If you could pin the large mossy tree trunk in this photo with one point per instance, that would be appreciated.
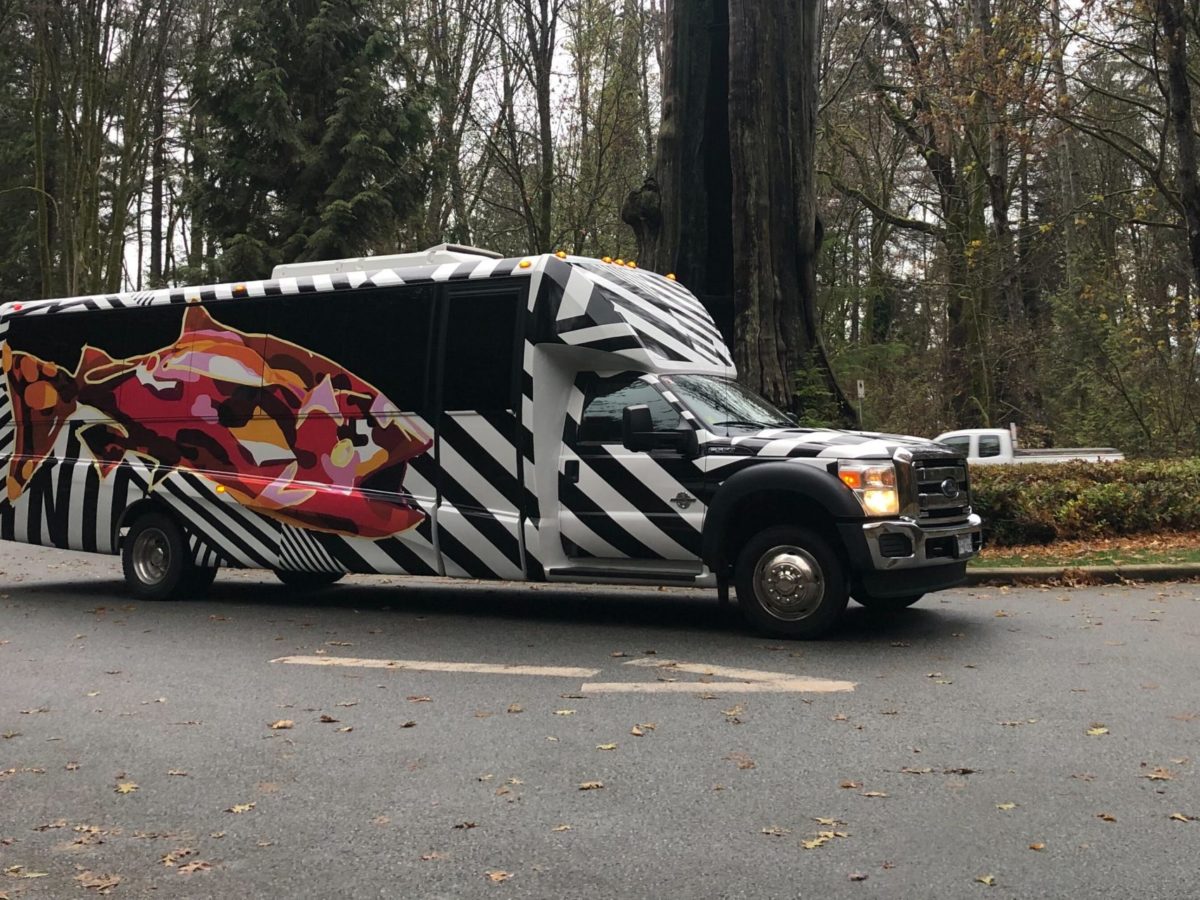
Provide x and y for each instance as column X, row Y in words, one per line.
column 732, row 210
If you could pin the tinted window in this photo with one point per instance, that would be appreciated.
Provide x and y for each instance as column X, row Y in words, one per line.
column 961, row 444
column 480, row 364
column 381, row 336
column 121, row 333
column 989, row 445
column 608, row 398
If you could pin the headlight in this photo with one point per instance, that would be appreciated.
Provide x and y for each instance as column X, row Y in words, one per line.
column 874, row 485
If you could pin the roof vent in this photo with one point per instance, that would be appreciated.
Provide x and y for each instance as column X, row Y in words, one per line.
column 434, row 256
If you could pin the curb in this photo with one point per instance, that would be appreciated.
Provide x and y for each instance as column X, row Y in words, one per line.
column 1081, row 574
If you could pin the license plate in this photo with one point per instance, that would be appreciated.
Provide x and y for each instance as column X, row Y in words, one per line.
column 964, row 545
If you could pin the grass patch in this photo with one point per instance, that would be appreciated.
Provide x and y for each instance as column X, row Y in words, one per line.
column 1172, row 549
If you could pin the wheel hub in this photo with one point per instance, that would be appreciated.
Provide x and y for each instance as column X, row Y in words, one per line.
column 789, row 583
column 151, row 556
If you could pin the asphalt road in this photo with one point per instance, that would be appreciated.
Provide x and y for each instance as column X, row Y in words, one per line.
column 962, row 753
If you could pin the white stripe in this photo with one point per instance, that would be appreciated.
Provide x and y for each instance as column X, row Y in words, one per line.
column 674, row 665
column 444, row 271
column 414, row 665
column 596, row 333
column 780, row 446
column 484, row 269
column 580, row 535
column 460, row 526
column 793, row 686
column 75, row 523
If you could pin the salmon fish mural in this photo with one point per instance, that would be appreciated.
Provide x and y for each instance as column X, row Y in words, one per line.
column 285, row 431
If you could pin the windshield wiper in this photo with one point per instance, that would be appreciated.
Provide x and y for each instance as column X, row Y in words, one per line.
column 741, row 422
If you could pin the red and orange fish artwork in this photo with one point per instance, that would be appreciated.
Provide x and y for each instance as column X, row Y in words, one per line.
column 285, row 431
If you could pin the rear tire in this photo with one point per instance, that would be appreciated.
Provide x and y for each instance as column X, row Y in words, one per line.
column 790, row 583
column 308, row 581
column 885, row 604
column 197, row 581
column 155, row 558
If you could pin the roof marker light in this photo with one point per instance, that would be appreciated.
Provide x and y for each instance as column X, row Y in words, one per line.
column 606, row 259
column 239, row 289
column 671, row 276
column 524, row 264
column 631, row 264
column 561, row 254
column 619, row 262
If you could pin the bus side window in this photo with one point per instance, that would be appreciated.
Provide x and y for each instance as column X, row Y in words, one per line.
column 480, row 364
column 381, row 336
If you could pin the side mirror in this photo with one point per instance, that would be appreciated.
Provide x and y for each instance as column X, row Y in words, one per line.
column 637, row 428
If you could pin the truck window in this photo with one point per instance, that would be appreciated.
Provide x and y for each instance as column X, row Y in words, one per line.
column 121, row 333
column 480, row 365
column 608, row 397
column 961, row 443
column 989, row 445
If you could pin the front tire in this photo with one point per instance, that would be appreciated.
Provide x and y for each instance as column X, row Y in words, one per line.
column 155, row 558
column 308, row 581
column 885, row 604
column 790, row 583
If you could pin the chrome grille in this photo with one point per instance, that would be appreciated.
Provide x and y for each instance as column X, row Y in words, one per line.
column 936, row 499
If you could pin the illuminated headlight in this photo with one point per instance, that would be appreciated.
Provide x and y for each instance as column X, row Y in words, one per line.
column 874, row 484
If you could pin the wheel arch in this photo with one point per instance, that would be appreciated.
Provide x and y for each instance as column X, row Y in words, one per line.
column 138, row 508
column 770, row 494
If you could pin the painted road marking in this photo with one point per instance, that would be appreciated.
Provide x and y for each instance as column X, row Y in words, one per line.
column 748, row 681
column 745, row 681
column 422, row 665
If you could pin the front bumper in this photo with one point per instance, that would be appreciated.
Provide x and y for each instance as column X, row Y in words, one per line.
column 905, row 544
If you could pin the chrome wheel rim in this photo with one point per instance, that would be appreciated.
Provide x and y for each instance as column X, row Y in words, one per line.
column 789, row 583
column 151, row 556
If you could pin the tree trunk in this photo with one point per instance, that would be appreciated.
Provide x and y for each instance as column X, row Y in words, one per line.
column 1171, row 16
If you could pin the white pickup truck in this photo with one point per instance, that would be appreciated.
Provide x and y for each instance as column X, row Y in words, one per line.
column 984, row 446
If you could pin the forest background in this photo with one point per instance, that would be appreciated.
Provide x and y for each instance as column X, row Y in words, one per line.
column 1006, row 189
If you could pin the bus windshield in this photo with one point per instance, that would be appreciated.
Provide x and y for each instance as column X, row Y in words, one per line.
column 722, row 403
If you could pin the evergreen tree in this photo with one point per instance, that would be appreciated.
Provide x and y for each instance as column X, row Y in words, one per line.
column 311, row 131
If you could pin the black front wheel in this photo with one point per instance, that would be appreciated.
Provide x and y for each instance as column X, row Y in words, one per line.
column 155, row 558
column 308, row 581
column 790, row 583
column 885, row 604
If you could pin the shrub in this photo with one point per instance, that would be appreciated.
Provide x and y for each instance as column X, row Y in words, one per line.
column 1037, row 504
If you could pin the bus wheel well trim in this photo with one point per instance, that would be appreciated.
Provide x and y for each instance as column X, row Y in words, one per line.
column 135, row 511
column 769, row 495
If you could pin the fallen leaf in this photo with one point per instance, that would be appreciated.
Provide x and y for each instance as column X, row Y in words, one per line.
column 874, row 794
column 1037, row 846
column 178, row 772
column 735, row 710
column 193, row 867
column 1107, row 817
column 426, row 857
column 636, row 731
column 9, row 735
column 414, row 698
column 344, row 729
column 498, row 875
column 34, row 712
column 72, row 767
column 463, row 826
column 348, row 703
column 174, row 856
column 606, row 746
column 102, row 884
column 126, row 787
column 773, row 831
column 338, row 644
column 915, row 770
column 617, row 654
column 830, row 822
column 564, row 712
column 850, row 785
column 381, row 821
column 1159, row 774
column 328, row 720
column 986, row 879
column 240, row 808
column 958, row 770
column 22, row 872
column 1180, row 817
column 858, row 876
column 590, row 785
column 741, row 760
column 1005, row 807
column 282, row 724
column 57, row 823
column 515, row 708
column 1097, row 729
column 561, row 827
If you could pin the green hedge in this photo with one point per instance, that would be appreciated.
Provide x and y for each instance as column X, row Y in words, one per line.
column 1037, row 504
